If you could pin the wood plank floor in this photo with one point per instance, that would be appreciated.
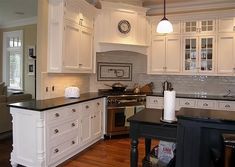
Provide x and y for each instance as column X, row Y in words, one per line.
column 106, row 153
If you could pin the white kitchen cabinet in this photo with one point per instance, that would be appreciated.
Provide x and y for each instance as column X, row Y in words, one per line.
column 91, row 124
column 199, row 54
column 199, row 26
column 48, row 138
column 226, row 24
column 70, row 36
column 154, row 102
column 226, row 105
column 206, row 104
column 226, row 53
column 165, row 55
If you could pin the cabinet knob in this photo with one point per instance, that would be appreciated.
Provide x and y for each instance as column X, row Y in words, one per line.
column 56, row 150
column 91, row 117
column 56, row 131
column 73, row 124
column 80, row 64
column 98, row 103
column 73, row 110
column 73, row 142
column 155, row 101
column 94, row 116
column 87, row 106
column 205, row 104
column 227, row 106
column 57, row 114
column 186, row 103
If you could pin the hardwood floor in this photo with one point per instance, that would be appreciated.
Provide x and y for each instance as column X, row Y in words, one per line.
column 106, row 153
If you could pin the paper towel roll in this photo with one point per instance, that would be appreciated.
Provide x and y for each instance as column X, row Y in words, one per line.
column 169, row 106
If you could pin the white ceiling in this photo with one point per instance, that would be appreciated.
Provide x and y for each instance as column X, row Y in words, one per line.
column 12, row 10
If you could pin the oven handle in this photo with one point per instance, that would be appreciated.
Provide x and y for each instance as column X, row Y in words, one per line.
column 109, row 107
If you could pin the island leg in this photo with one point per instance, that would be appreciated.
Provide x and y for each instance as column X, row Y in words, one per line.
column 147, row 146
column 134, row 153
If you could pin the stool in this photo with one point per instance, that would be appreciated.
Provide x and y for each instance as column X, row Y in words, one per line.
column 229, row 150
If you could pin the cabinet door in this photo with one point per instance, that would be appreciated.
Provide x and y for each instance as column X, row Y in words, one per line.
column 157, row 61
column 206, row 54
column 226, row 53
column 71, row 46
column 227, row 24
column 96, row 124
column 190, row 53
column 86, row 50
column 206, row 26
column 85, row 128
column 173, row 54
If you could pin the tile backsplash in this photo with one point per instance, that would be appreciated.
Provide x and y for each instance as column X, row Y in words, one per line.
column 190, row 84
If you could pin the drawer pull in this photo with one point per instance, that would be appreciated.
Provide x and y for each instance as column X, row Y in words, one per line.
column 56, row 131
column 155, row 101
column 186, row 103
column 91, row 117
column 98, row 103
column 73, row 110
column 56, row 150
column 87, row 106
column 94, row 116
column 205, row 104
column 227, row 106
column 73, row 142
column 57, row 115
column 73, row 124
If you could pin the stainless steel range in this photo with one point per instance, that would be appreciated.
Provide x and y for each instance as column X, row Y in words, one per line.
column 120, row 106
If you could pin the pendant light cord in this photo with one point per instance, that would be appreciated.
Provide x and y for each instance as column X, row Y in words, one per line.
column 164, row 10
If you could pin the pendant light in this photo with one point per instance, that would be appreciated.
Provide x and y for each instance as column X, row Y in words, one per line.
column 164, row 26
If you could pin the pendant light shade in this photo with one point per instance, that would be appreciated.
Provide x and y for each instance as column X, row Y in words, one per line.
column 164, row 26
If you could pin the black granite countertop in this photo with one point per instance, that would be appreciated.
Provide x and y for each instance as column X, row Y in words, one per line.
column 42, row 105
column 195, row 96
column 206, row 115
column 149, row 116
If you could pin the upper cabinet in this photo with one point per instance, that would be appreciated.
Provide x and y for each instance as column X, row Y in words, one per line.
column 70, row 36
column 199, row 54
column 121, row 24
column 226, row 24
column 199, row 26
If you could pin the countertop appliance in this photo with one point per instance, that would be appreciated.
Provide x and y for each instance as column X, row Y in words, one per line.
column 120, row 106
column 72, row 92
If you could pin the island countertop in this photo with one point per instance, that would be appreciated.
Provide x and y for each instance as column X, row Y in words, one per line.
column 207, row 115
column 42, row 105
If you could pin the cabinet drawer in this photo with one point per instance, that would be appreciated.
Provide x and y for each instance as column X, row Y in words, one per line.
column 62, row 128
column 57, row 151
column 187, row 103
column 226, row 105
column 154, row 102
column 206, row 104
column 59, row 114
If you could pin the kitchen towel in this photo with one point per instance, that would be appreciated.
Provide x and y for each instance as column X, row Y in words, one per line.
column 169, row 105
column 129, row 111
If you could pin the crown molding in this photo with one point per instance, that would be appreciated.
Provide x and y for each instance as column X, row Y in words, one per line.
column 184, row 7
column 21, row 22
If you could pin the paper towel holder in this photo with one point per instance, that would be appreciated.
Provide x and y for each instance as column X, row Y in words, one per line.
column 167, row 121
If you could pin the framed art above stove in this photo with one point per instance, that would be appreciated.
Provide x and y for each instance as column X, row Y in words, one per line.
column 107, row 71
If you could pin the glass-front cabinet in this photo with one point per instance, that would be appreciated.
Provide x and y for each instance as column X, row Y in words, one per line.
column 202, row 26
column 199, row 54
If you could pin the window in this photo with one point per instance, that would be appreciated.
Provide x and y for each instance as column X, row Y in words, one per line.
column 13, row 59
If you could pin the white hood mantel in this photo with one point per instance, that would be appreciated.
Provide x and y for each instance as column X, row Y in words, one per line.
column 108, row 37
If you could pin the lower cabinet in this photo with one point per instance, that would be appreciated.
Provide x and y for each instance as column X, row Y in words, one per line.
column 158, row 103
column 50, row 137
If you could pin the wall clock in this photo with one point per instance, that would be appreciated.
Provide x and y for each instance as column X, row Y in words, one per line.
column 124, row 26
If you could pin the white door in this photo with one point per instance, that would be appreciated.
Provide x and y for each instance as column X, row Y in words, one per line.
column 173, row 54
column 71, row 46
column 157, row 60
column 226, row 53
column 86, row 50
column 96, row 124
column 85, row 127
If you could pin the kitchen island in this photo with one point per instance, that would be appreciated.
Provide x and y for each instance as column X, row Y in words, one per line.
column 198, row 134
